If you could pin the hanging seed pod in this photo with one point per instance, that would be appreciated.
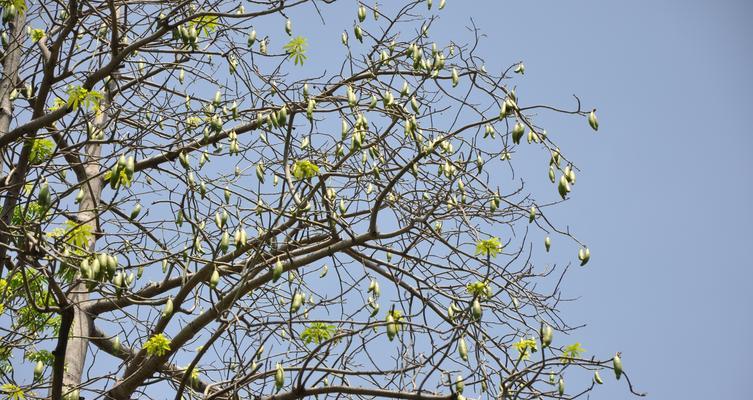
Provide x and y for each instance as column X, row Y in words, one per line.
column 279, row 377
column 563, row 187
column 551, row 174
column 546, row 333
column 463, row 349
column 251, row 38
column 116, row 344
column 391, row 327
column 414, row 104
column 289, row 27
column 310, row 109
column 592, row 120
column 359, row 33
column 277, row 271
column 374, row 288
column 597, row 378
column 429, row 3
column 442, row 4
column 224, row 242
column 584, row 254
column 136, row 210
column 561, row 386
column 79, row 196
column 547, row 243
column 168, row 307
column 517, row 132
column 476, row 309
column 344, row 38
column 571, row 176
column 455, row 77
column 38, row 370
column 617, row 364
column 520, row 69
column 459, row 384
column 44, row 195
column 532, row 214
column 503, row 110
column 325, row 269
column 361, row 13
column 405, row 89
column 297, row 302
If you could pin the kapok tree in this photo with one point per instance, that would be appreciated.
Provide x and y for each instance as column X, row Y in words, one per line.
column 189, row 212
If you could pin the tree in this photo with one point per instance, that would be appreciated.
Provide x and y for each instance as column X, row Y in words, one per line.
column 183, row 217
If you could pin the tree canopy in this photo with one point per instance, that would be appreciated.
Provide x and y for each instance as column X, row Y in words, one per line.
column 188, row 211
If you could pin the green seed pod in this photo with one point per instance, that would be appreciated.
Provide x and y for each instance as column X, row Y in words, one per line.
column 79, row 196
column 617, row 364
column 136, row 210
column 414, row 104
column 359, row 33
column 374, row 288
column 310, row 109
column 532, row 214
column 297, row 302
column 584, row 255
column 251, row 38
column 96, row 269
column 547, row 243
column 279, row 377
column 463, row 349
column 168, row 307
column 214, row 279
column 546, row 334
column 405, row 89
column 476, row 309
column 597, row 378
column 455, row 77
column 116, row 344
column 112, row 262
column 503, row 110
column 289, row 27
column 459, row 384
column 277, row 270
column 592, row 120
column 183, row 158
column 561, row 386
column 520, row 69
column 38, row 370
column 442, row 4
column 563, row 187
column 551, row 174
column 517, row 132
column 344, row 38
column 391, row 327
column 571, row 176
column 44, row 195
column 361, row 13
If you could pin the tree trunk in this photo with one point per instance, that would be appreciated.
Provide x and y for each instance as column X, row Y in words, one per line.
column 8, row 82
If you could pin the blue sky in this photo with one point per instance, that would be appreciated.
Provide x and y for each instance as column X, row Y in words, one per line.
column 664, row 192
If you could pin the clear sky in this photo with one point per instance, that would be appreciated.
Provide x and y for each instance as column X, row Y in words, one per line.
column 665, row 189
column 665, row 185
